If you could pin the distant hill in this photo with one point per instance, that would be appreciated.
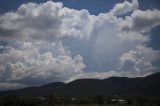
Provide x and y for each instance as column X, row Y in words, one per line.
column 123, row 86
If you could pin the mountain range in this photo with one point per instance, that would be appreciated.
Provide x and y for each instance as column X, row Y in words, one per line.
column 123, row 86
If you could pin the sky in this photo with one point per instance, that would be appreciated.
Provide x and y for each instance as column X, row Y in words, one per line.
column 63, row 40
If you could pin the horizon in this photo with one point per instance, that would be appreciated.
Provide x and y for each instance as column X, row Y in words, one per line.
column 77, row 80
column 45, row 41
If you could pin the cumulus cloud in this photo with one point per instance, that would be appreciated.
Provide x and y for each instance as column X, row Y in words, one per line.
column 135, row 60
column 46, row 21
column 142, row 21
column 48, row 42
column 26, row 63
column 125, row 7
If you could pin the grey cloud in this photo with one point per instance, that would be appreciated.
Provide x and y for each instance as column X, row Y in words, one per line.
column 142, row 21
column 11, row 86
column 7, row 32
column 145, row 20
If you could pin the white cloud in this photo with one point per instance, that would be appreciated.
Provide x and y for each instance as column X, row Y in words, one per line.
column 47, row 21
column 104, row 75
column 148, row 52
column 99, row 75
column 48, row 42
column 142, row 21
column 136, row 63
column 124, row 8
column 25, row 62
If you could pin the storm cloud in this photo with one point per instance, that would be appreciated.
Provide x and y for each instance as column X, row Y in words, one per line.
column 48, row 42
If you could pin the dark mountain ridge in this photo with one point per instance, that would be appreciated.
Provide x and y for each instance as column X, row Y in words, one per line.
column 140, row 86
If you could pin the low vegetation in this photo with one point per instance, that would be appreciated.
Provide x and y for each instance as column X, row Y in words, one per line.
column 50, row 100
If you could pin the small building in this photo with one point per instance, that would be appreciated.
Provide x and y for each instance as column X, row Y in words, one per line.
column 41, row 98
column 121, row 101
